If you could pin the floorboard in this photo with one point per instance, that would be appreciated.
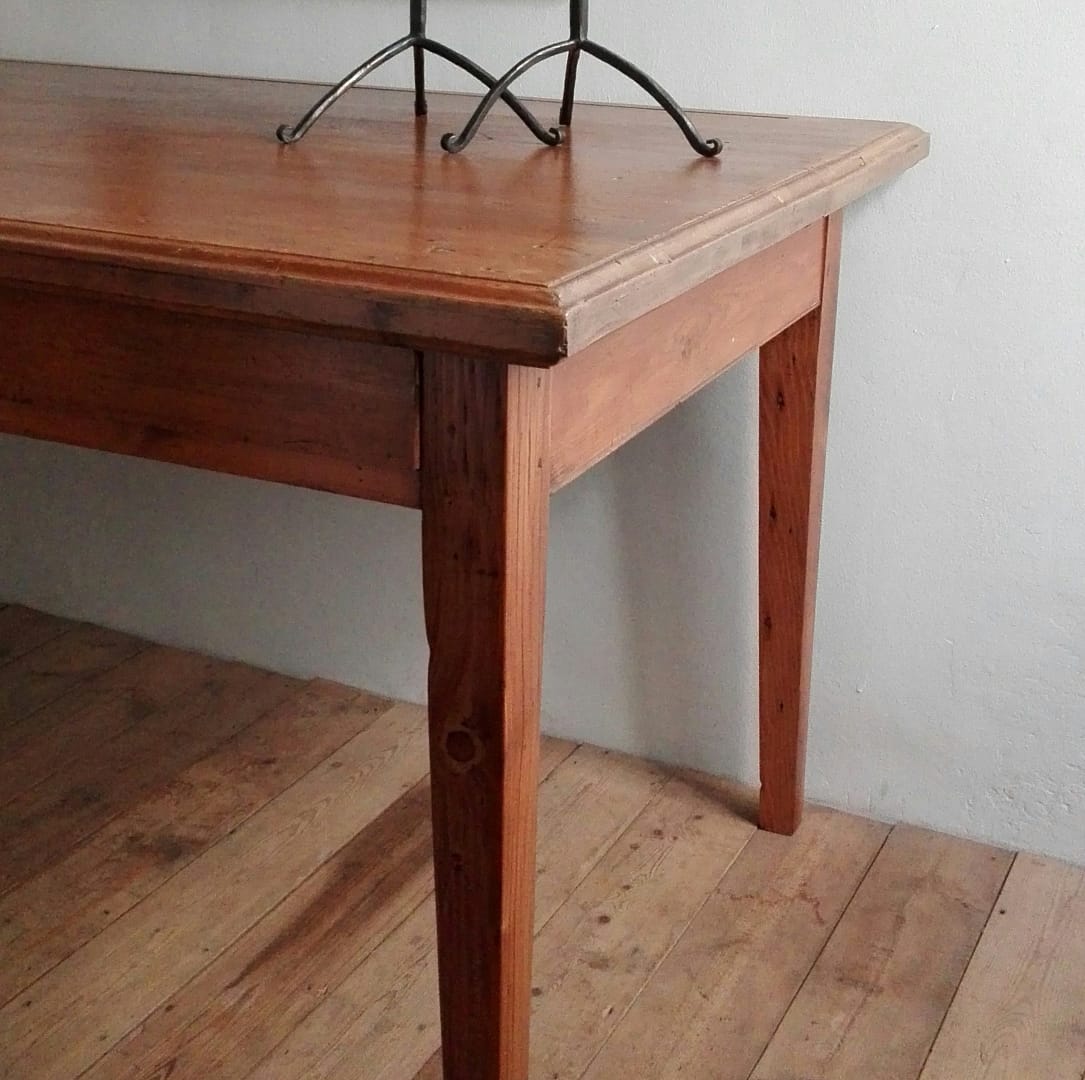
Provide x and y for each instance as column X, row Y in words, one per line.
column 84, row 722
column 714, row 1004
column 608, row 938
column 215, row 873
column 76, row 1012
column 383, row 1019
column 47, row 918
column 38, row 824
column 238, row 1008
column 23, row 630
column 47, row 672
column 877, row 995
column 1020, row 1009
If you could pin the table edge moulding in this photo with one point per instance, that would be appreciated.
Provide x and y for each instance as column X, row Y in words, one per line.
column 536, row 322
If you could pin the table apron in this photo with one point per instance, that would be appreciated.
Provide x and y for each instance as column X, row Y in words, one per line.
column 615, row 388
column 300, row 408
column 324, row 411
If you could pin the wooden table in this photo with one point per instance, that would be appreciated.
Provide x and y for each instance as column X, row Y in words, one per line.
column 367, row 315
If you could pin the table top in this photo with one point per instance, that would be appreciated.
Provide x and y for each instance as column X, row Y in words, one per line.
column 509, row 248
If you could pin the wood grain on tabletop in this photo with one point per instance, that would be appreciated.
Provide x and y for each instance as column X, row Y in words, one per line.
column 795, row 375
column 509, row 248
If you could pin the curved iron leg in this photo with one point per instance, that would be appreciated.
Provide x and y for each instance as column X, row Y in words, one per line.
column 578, row 32
column 418, row 31
column 421, row 106
column 568, row 97
column 543, row 134
column 421, row 46
column 707, row 148
column 454, row 143
column 288, row 134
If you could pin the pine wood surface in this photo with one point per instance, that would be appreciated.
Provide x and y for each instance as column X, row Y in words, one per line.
column 305, row 409
column 615, row 388
column 1020, row 1009
column 264, row 908
column 83, row 722
column 485, row 508
column 52, row 914
column 23, row 629
column 42, row 675
column 795, row 370
column 889, row 972
column 365, row 314
column 78, row 800
column 172, row 189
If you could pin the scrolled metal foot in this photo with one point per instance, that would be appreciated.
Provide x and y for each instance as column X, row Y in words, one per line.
column 549, row 136
column 705, row 147
column 498, row 88
column 288, row 134
column 454, row 143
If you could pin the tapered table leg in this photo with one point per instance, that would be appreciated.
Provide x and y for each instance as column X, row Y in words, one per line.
column 485, row 500
column 795, row 375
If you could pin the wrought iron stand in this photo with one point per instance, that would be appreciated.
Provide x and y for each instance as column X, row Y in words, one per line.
column 578, row 42
column 420, row 43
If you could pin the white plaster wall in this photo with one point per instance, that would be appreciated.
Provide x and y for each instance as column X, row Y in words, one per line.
column 948, row 685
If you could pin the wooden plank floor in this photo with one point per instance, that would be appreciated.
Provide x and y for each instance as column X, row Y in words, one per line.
column 208, row 871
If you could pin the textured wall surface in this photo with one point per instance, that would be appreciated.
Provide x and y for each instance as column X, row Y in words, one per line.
column 949, row 683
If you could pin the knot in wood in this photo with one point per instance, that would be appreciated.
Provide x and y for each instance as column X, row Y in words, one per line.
column 463, row 748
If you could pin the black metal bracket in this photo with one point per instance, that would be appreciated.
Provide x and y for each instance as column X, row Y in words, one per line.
column 577, row 43
column 572, row 47
column 418, row 41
